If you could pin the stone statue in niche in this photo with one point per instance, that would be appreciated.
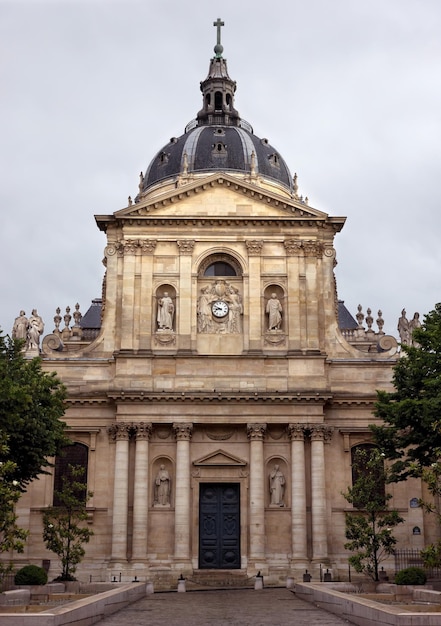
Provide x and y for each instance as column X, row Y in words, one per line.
column 162, row 487
column 20, row 328
column 166, row 311
column 274, row 310
column 220, row 309
column 34, row 331
column 277, row 487
column 403, row 327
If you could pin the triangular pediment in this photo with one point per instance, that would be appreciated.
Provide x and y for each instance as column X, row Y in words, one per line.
column 248, row 199
column 218, row 458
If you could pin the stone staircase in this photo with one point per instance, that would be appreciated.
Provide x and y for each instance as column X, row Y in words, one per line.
column 219, row 579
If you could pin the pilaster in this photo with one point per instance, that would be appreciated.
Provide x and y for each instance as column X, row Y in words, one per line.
column 254, row 248
column 185, row 293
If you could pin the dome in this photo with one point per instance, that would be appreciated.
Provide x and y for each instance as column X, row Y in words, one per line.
column 217, row 140
column 215, row 148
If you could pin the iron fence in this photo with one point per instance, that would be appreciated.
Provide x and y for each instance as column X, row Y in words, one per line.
column 410, row 557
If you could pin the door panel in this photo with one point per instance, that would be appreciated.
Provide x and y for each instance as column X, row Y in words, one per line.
column 219, row 526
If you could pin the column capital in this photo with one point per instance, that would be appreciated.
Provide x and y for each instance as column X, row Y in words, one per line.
column 320, row 432
column 120, row 431
column 296, row 432
column 147, row 246
column 185, row 246
column 293, row 247
column 256, row 432
column 142, row 430
column 184, row 431
column 312, row 248
column 254, row 247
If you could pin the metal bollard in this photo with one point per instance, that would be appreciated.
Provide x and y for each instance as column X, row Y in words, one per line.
column 181, row 584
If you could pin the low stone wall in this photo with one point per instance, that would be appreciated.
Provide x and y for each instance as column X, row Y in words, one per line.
column 362, row 611
column 15, row 597
column 80, row 612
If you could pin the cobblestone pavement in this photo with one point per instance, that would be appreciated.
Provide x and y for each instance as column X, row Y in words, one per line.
column 245, row 607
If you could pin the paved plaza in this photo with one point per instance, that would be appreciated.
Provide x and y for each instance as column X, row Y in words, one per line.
column 268, row 607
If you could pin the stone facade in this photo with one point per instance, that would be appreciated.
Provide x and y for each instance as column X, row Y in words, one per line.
column 188, row 376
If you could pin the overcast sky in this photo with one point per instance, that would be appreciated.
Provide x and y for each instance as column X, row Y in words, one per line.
column 348, row 91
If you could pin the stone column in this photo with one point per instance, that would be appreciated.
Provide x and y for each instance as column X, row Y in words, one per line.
column 143, row 432
column 319, row 434
column 120, row 433
column 183, row 434
column 256, row 435
column 298, row 491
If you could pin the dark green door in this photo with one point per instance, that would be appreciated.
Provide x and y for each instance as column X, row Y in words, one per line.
column 219, row 526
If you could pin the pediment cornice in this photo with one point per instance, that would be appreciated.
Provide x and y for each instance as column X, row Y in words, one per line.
column 220, row 458
column 291, row 209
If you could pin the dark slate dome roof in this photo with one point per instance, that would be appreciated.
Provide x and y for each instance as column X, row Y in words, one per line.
column 217, row 140
column 213, row 148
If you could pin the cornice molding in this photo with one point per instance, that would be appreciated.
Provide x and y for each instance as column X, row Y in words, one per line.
column 220, row 397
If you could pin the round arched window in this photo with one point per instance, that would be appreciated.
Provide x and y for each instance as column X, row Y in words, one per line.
column 220, row 268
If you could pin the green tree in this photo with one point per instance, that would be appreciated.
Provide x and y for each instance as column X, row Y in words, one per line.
column 31, row 407
column 411, row 433
column 12, row 537
column 369, row 530
column 63, row 531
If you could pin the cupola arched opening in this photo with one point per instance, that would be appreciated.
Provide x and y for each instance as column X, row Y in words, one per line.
column 218, row 101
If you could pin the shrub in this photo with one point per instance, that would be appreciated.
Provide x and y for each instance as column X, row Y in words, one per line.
column 410, row 576
column 30, row 575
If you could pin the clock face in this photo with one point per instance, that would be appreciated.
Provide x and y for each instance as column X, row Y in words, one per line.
column 219, row 308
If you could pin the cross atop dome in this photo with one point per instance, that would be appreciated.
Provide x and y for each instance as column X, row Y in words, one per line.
column 218, row 48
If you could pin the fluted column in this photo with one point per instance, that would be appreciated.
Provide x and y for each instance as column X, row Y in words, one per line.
column 143, row 432
column 183, row 434
column 319, row 434
column 256, row 435
column 298, row 493
column 121, row 434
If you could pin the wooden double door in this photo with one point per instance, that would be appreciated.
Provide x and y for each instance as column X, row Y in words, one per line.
column 219, row 526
